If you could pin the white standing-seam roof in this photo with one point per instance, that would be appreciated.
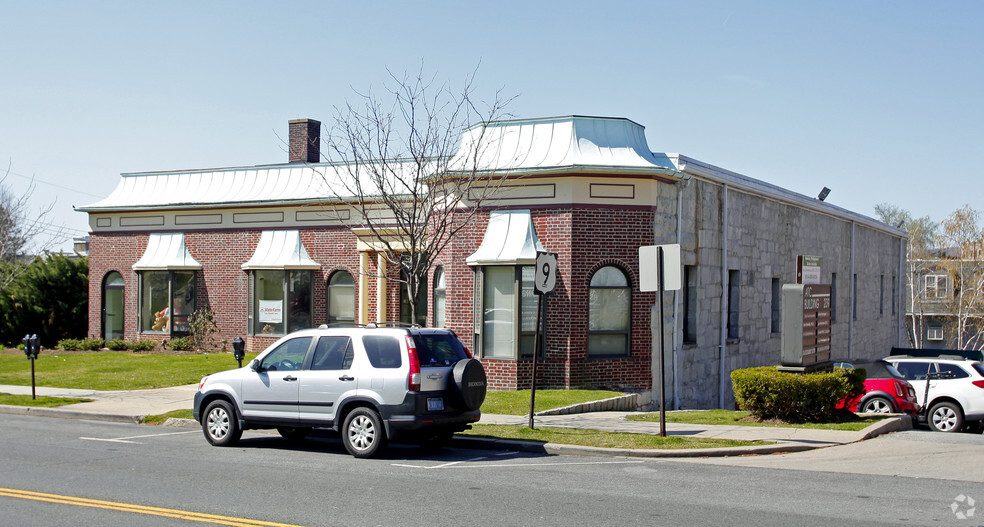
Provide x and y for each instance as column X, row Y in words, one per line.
column 280, row 250
column 557, row 144
column 166, row 252
column 510, row 238
column 571, row 143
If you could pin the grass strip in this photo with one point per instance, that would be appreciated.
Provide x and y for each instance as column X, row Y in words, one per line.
column 518, row 402
column 161, row 418
column 111, row 370
column 597, row 438
column 41, row 402
column 730, row 417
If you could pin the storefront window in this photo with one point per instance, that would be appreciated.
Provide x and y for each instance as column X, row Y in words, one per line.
column 508, row 291
column 167, row 300
column 609, row 312
column 282, row 301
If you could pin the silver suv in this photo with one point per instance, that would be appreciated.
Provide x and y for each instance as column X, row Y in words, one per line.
column 371, row 384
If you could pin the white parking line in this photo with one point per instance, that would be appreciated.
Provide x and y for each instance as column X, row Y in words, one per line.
column 458, row 464
column 127, row 439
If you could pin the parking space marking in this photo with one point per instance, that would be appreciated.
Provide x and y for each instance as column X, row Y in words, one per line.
column 471, row 463
column 128, row 438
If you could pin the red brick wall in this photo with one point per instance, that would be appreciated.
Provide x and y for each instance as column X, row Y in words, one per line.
column 584, row 239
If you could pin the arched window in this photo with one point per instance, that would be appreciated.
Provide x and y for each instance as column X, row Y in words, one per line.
column 439, row 306
column 341, row 297
column 112, row 308
column 609, row 312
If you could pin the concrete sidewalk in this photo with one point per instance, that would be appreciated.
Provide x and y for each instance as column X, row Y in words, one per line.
column 133, row 406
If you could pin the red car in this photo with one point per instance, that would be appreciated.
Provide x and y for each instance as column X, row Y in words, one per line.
column 885, row 390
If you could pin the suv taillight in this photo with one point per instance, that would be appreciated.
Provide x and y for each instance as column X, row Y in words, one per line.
column 413, row 384
column 979, row 384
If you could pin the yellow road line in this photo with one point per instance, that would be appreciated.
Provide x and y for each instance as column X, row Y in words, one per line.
column 139, row 509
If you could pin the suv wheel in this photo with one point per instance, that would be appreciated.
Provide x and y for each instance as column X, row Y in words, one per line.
column 877, row 405
column 945, row 417
column 363, row 433
column 220, row 424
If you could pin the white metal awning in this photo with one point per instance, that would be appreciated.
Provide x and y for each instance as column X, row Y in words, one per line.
column 510, row 238
column 166, row 251
column 280, row 250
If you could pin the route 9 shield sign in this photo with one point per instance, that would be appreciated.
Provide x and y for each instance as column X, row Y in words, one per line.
column 545, row 277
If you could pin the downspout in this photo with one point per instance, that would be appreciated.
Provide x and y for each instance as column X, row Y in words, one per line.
column 724, row 296
column 900, row 313
column 854, row 301
column 677, row 298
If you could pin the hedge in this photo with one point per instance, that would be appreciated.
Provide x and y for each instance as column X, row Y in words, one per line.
column 771, row 394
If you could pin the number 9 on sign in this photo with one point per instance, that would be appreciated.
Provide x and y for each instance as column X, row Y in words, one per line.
column 546, row 273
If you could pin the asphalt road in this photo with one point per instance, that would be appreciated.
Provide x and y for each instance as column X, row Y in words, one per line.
column 139, row 475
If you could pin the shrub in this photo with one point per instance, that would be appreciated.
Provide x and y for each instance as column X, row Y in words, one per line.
column 181, row 344
column 203, row 328
column 70, row 344
column 771, row 394
column 91, row 344
column 141, row 345
column 117, row 345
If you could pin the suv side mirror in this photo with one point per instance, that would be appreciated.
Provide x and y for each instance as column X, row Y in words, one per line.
column 255, row 365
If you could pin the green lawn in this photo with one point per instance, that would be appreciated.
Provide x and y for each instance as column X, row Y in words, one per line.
column 113, row 370
column 518, row 402
column 729, row 417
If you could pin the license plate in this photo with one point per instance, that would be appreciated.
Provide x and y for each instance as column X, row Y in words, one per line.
column 435, row 404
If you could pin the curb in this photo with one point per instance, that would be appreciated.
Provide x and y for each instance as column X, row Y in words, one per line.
column 894, row 424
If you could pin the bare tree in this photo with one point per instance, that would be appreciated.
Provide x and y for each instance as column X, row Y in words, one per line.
column 921, row 254
column 962, row 238
column 396, row 164
column 21, row 229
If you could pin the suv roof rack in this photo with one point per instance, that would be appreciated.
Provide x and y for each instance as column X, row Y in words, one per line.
column 342, row 325
column 393, row 324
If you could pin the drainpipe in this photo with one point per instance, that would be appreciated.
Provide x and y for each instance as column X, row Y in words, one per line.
column 724, row 297
column 900, row 312
column 854, row 301
column 677, row 299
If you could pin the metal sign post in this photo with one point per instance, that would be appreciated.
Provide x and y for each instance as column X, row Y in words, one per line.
column 544, row 281
column 659, row 270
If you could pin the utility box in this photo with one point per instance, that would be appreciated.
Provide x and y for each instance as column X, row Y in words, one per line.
column 805, row 325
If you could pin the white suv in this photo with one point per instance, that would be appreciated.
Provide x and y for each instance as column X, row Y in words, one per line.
column 369, row 383
column 956, row 389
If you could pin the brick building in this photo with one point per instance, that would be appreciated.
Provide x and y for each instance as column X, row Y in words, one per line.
column 262, row 247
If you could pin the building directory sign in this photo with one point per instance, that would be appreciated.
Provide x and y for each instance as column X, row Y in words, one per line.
column 805, row 324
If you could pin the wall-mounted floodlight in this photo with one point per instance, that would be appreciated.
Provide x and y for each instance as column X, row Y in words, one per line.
column 823, row 194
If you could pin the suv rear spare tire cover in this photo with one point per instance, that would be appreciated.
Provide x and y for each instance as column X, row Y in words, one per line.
column 469, row 382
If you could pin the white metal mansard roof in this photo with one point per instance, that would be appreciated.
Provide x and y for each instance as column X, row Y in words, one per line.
column 558, row 144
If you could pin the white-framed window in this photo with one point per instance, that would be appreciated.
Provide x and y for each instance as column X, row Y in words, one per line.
column 440, row 295
column 341, row 297
column 609, row 312
column 167, row 300
column 936, row 286
column 508, row 311
column 934, row 332
column 280, row 301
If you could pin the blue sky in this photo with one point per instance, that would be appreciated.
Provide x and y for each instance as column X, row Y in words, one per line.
column 880, row 101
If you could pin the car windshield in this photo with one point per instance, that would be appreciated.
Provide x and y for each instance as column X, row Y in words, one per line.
column 438, row 349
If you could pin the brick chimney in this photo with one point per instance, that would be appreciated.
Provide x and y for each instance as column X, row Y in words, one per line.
column 305, row 141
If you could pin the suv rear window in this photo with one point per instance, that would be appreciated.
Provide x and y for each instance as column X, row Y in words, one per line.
column 438, row 349
column 383, row 351
column 914, row 371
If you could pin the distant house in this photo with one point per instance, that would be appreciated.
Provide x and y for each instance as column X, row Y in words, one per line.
column 267, row 251
column 945, row 303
